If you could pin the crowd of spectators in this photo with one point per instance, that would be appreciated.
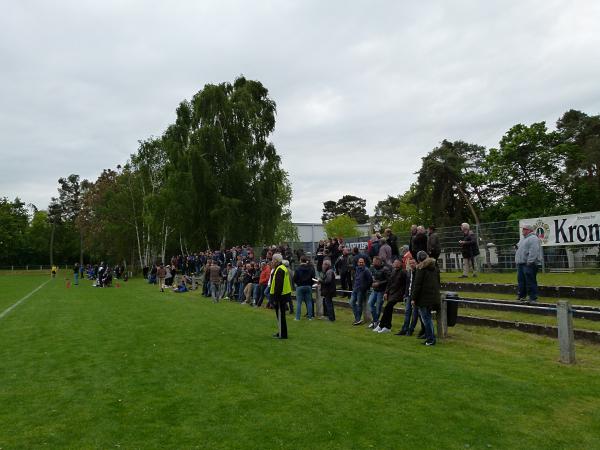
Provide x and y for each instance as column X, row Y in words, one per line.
column 380, row 271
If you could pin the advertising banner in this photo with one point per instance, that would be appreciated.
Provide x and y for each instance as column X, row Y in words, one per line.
column 573, row 229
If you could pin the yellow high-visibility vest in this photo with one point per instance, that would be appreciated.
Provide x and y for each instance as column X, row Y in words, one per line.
column 287, row 287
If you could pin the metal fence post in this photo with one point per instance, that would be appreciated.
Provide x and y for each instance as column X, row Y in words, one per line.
column 442, row 318
column 566, row 338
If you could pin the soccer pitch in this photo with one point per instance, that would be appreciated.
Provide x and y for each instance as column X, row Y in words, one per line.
column 131, row 367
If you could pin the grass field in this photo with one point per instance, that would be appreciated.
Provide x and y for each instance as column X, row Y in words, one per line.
column 134, row 368
column 544, row 279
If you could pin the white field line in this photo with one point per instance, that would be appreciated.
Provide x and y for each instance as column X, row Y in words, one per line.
column 10, row 308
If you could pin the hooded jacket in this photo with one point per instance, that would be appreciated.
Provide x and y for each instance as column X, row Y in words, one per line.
column 426, row 285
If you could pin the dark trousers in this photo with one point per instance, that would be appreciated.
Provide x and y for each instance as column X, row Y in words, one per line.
column 527, row 280
column 386, row 317
column 280, row 309
column 329, row 311
column 346, row 282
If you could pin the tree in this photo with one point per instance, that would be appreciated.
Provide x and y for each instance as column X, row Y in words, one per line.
column 386, row 212
column 38, row 238
column 286, row 231
column 349, row 205
column 578, row 142
column 228, row 176
column 13, row 228
column 69, row 198
column 451, row 180
column 525, row 173
column 341, row 226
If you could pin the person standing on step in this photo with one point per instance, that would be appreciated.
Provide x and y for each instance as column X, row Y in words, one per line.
column 527, row 257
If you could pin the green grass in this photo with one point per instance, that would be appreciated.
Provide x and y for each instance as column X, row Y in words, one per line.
column 544, row 279
column 134, row 368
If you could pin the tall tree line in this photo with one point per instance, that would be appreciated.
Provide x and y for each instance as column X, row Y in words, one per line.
column 532, row 172
column 213, row 178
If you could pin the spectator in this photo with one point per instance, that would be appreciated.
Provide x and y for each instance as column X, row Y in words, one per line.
column 392, row 240
column 411, row 315
column 385, row 252
column 394, row 292
column 470, row 250
column 280, row 292
column 327, row 282
column 419, row 241
column 303, row 279
column 406, row 257
column 161, row 273
column 380, row 274
column 413, row 233
column 426, row 293
column 76, row 274
column 433, row 244
column 263, row 282
column 362, row 283
column 214, row 277
column 342, row 266
column 527, row 257
column 247, row 281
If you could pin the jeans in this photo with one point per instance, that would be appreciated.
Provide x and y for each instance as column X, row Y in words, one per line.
column 527, row 280
column 240, row 291
column 375, row 304
column 329, row 311
column 356, row 301
column 214, row 291
column 268, row 295
column 304, row 293
column 76, row 277
column 259, row 293
column 410, row 316
column 425, row 313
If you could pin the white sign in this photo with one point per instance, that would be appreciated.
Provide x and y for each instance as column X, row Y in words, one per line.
column 574, row 229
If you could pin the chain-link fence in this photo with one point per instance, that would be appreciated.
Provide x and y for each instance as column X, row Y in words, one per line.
column 497, row 245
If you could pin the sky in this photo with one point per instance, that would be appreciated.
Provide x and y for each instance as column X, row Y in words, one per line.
column 363, row 89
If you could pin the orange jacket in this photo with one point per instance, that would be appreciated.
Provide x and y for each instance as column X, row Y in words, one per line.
column 264, row 275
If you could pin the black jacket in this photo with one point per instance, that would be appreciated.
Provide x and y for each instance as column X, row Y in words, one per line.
column 426, row 285
column 396, row 285
column 328, row 284
column 303, row 275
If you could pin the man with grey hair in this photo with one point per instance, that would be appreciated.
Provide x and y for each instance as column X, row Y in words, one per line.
column 527, row 257
column 281, row 293
column 470, row 250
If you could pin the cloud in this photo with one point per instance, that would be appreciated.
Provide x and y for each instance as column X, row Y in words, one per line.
column 364, row 90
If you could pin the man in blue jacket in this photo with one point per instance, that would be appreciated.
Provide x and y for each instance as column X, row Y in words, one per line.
column 362, row 283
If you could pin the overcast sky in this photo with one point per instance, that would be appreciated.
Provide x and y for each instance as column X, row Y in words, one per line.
column 363, row 89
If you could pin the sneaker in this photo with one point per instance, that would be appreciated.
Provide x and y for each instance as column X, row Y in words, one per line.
column 358, row 322
column 521, row 299
column 371, row 325
column 429, row 343
column 297, row 320
column 385, row 330
column 400, row 333
column 421, row 336
column 377, row 329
